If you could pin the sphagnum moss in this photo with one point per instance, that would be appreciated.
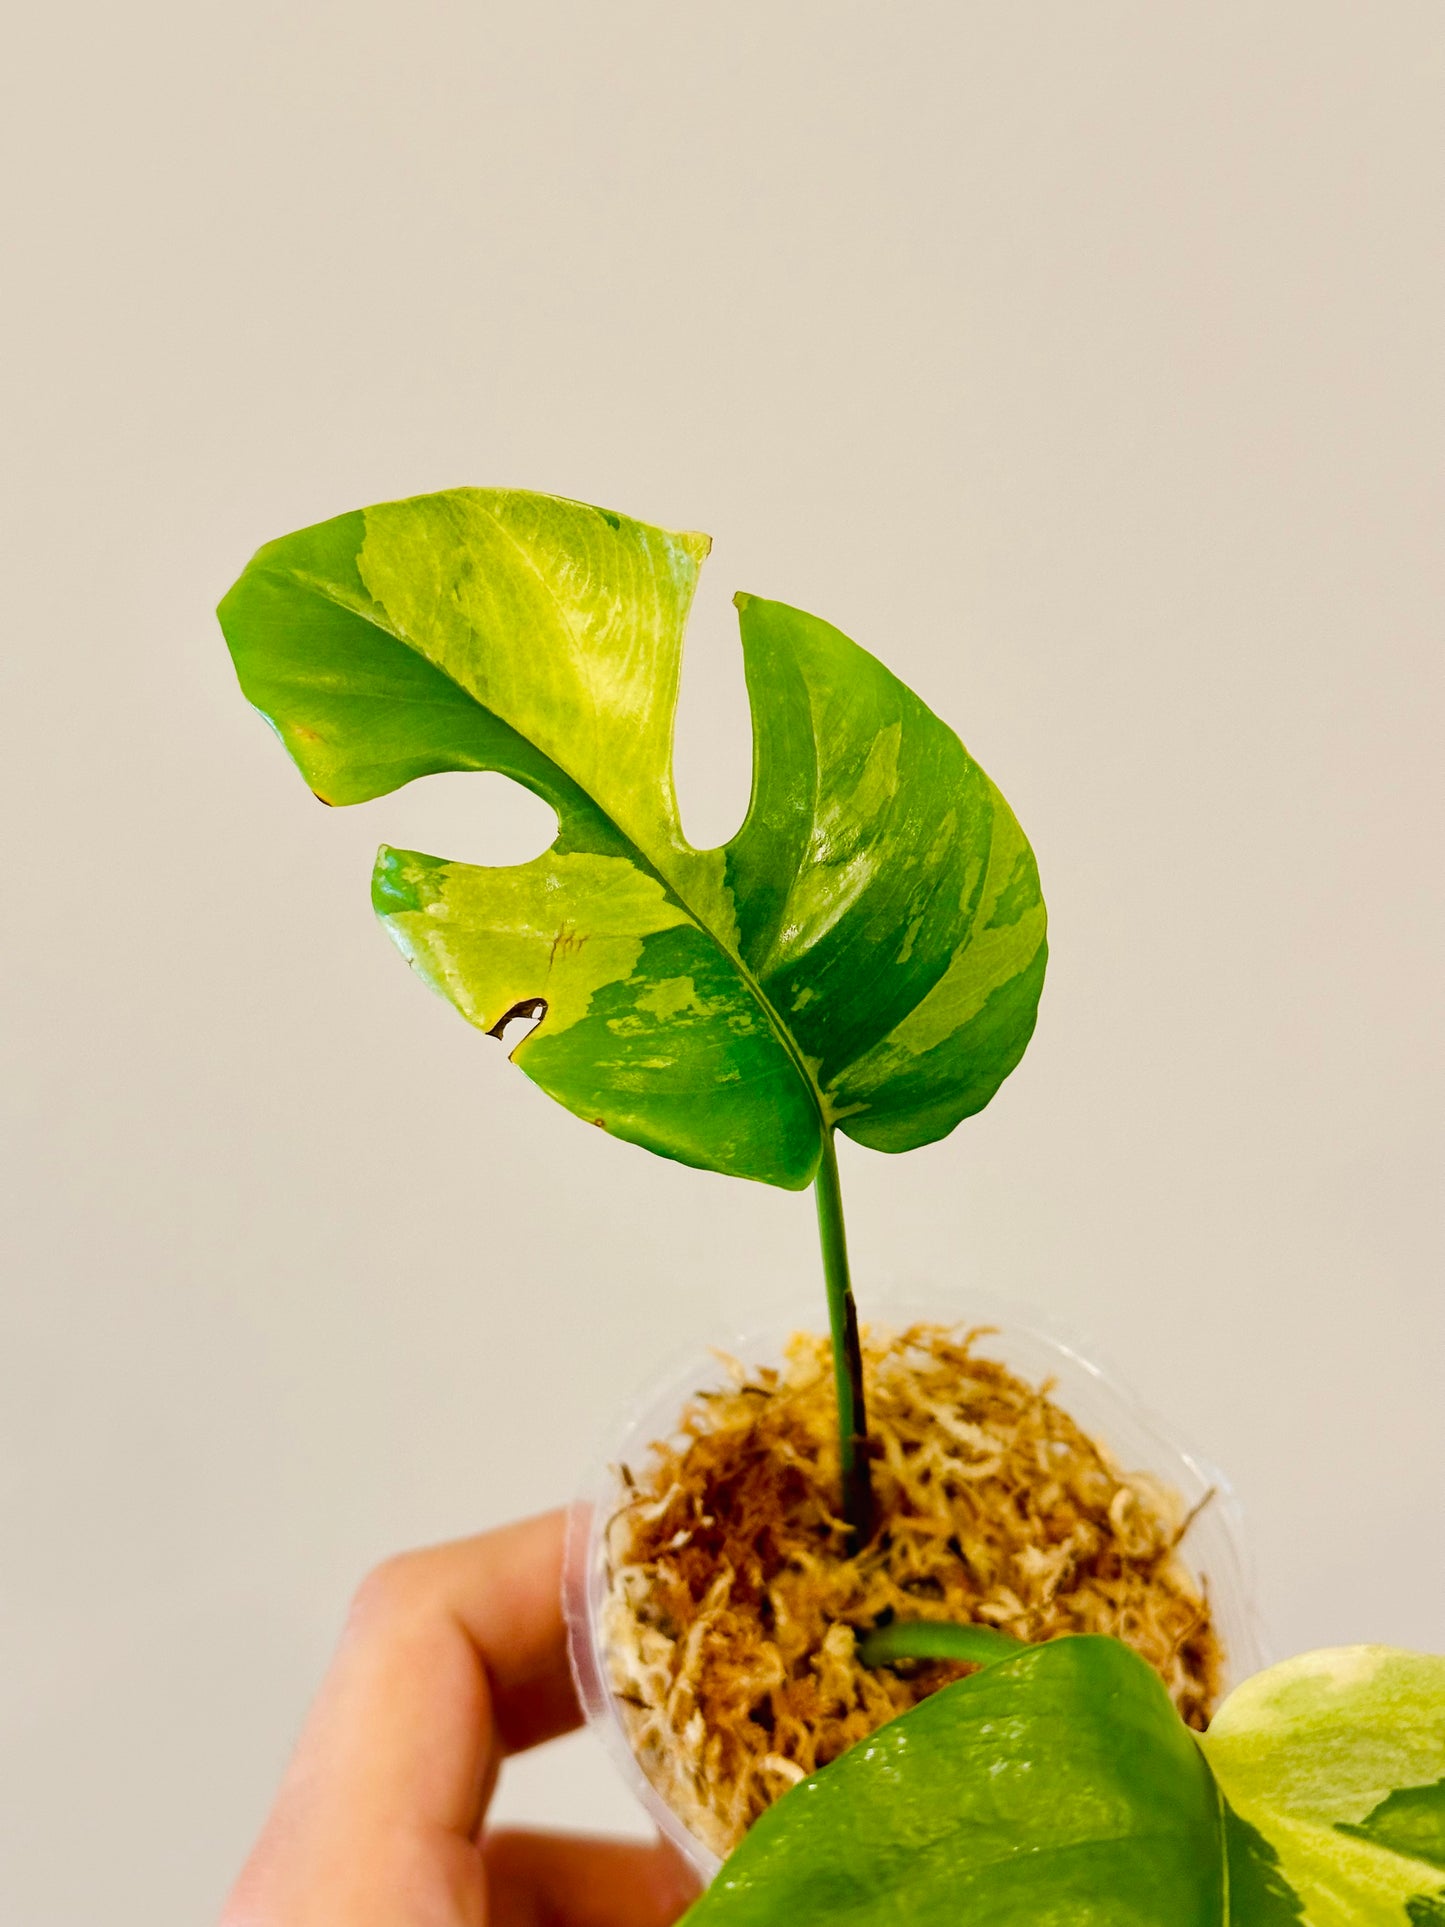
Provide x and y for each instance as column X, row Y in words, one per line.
column 734, row 1606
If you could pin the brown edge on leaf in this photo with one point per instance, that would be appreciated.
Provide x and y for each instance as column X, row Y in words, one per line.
column 528, row 1007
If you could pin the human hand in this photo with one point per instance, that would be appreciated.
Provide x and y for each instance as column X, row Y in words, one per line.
column 452, row 1658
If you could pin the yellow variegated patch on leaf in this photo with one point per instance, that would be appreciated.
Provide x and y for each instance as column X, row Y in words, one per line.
column 1337, row 1759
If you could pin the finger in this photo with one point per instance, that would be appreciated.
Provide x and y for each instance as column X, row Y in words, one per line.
column 566, row 1880
column 504, row 1589
column 451, row 1657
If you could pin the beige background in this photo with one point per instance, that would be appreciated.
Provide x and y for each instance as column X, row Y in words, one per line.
column 1084, row 361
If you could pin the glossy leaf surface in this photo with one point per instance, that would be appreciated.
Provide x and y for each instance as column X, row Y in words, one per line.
column 1058, row 1789
column 867, row 951
column 1061, row 1787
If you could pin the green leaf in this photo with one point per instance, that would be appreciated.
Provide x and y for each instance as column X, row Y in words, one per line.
column 1338, row 1760
column 1057, row 1787
column 1060, row 1786
column 868, row 951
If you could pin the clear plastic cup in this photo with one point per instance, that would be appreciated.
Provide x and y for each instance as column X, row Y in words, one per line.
column 1036, row 1349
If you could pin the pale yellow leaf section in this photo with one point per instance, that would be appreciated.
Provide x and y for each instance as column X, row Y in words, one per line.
column 1322, row 1740
column 571, row 631
column 559, row 928
column 567, row 627
column 1341, row 1881
column 671, row 996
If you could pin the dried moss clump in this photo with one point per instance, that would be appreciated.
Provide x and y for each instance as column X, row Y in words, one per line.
column 732, row 1605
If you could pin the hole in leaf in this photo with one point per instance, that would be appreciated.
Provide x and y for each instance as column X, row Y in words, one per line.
column 465, row 816
column 520, row 1021
column 713, row 742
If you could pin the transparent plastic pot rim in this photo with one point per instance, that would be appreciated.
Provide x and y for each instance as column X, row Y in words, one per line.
column 1034, row 1346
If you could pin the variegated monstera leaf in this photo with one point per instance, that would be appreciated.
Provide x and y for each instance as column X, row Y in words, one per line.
column 867, row 951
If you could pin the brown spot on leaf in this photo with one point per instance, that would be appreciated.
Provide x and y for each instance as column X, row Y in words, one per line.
column 566, row 939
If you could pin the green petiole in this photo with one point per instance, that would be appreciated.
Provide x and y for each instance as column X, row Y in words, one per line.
column 937, row 1639
column 847, row 1351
